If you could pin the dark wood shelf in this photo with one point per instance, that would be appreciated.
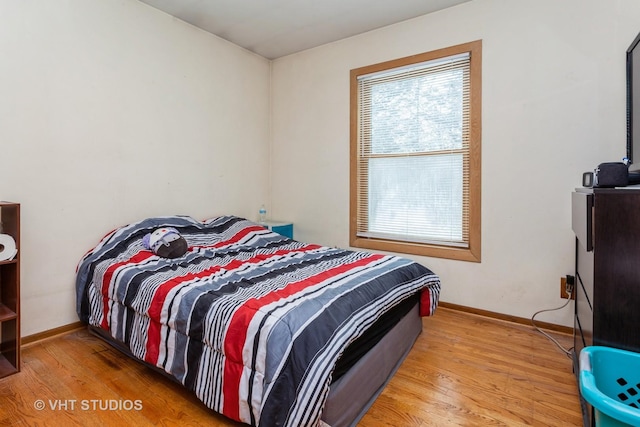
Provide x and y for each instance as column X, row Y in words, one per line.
column 6, row 313
column 6, row 368
column 10, row 294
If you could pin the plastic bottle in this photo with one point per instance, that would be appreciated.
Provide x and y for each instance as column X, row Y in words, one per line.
column 262, row 215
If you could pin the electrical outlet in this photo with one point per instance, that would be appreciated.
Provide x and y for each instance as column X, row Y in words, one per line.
column 563, row 289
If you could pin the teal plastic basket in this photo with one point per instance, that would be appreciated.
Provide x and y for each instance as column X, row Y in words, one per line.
column 610, row 382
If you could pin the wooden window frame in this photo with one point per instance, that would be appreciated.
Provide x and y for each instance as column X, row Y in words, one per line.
column 473, row 251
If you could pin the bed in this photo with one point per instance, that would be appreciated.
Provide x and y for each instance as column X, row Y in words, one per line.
column 263, row 329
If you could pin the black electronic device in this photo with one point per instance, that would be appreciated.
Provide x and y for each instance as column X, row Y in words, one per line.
column 611, row 174
column 633, row 105
column 634, row 178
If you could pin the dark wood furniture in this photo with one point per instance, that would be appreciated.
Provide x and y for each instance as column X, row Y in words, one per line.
column 606, row 223
column 10, row 294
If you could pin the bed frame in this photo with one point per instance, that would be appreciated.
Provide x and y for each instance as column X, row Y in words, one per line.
column 351, row 396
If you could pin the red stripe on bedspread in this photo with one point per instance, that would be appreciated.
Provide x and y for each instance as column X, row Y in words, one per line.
column 425, row 303
column 237, row 332
column 158, row 302
column 235, row 238
column 106, row 280
column 154, row 334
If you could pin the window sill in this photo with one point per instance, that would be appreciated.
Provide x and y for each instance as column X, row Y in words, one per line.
column 434, row 251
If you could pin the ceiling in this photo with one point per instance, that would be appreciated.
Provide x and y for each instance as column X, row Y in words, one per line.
column 275, row 28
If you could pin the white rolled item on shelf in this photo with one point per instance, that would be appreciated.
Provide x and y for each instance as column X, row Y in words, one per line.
column 7, row 247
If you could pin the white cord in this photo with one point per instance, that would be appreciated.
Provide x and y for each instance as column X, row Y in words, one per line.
column 566, row 352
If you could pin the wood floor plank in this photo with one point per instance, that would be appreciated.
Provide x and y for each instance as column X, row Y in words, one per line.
column 464, row 370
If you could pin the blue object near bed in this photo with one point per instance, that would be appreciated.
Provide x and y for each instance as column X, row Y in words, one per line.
column 610, row 382
column 282, row 228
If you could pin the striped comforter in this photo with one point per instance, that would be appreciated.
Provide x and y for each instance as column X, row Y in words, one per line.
column 252, row 322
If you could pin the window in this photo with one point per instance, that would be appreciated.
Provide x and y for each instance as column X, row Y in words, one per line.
column 415, row 154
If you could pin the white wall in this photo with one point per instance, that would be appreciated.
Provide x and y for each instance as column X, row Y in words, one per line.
column 553, row 107
column 110, row 112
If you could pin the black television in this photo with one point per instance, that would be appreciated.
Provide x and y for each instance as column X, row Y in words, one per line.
column 633, row 108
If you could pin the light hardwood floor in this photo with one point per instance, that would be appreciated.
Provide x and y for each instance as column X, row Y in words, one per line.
column 464, row 370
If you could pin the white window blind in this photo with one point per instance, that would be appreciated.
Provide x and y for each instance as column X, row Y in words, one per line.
column 413, row 153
